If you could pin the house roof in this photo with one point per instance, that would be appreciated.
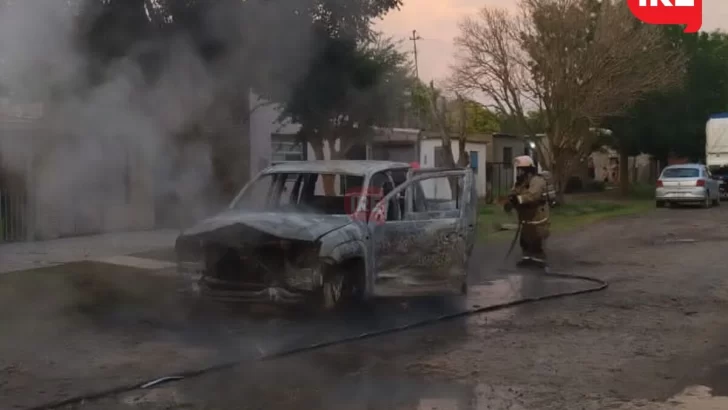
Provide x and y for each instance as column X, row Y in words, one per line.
column 472, row 138
column 335, row 166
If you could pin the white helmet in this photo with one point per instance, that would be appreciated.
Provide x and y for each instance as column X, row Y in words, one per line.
column 524, row 161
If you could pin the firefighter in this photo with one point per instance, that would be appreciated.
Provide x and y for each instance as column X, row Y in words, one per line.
column 530, row 199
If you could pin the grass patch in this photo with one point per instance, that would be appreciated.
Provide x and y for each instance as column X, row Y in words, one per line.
column 574, row 214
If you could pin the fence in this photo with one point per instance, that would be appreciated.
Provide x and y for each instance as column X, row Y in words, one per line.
column 499, row 180
column 14, row 218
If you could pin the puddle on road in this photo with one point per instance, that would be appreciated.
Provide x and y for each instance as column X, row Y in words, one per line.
column 315, row 391
column 389, row 393
column 692, row 398
column 113, row 312
column 699, row 398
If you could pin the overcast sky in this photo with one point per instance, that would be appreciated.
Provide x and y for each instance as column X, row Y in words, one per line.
column 436, row 22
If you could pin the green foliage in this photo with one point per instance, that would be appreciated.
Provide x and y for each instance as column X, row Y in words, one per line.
column 576, row 213
column 479, row 119
column 250, row 31
column 350, row 87
column 674, row 121
column 535, row 123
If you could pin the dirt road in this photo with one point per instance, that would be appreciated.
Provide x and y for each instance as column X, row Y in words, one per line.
column 660, row 328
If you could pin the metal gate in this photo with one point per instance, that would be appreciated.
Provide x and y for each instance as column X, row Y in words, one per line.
column 499, row 180
column 13, row 216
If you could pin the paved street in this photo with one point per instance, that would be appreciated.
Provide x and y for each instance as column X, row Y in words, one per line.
column 658, row 330
column 30, row 255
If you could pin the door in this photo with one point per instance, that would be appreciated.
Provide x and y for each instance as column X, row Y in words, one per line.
column 421, row 246
column 713, row 184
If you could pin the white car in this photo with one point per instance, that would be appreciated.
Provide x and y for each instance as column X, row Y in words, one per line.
column 687, row 184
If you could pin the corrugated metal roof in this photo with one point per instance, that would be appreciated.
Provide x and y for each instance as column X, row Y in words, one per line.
column 473, row 138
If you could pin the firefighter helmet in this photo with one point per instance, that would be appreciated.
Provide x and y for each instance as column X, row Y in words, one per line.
column 524, row 161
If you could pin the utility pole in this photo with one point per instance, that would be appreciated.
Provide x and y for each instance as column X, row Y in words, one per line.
column 414, row 39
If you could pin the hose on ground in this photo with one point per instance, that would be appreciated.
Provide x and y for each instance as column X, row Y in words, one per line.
column 599, row 286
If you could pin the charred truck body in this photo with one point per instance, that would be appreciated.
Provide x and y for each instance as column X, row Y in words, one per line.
column 335, row 232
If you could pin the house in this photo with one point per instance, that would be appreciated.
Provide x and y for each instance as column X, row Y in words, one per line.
column 603, row 165
column 41, row 201
column 643, row 168
column 273, row 140
column 475, row 146
column 491, row 159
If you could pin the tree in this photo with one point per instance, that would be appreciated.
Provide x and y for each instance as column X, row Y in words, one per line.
column 572, row 62
column 673, row 122
column 277, row 49
column 350, row 88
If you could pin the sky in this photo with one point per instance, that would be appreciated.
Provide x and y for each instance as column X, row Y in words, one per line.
column 436, row 22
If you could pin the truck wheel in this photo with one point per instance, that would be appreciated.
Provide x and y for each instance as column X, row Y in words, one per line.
column 339, row 290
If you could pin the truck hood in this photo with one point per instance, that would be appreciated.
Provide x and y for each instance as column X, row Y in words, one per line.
column 293, row 226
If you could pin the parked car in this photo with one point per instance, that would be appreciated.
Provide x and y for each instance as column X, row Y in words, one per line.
column 334, row 232
column 687, row 183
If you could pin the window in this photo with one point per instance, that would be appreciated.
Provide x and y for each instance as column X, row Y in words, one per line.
column 439, row 163
column 380, row 185
column 507, row 157
column 286, row 148
column 474, row 161
column 681, row 173
column 399, row 176
column 298, row 193
column 437, row 194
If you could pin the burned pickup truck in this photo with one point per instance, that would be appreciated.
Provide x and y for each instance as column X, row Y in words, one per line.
column 336, row 232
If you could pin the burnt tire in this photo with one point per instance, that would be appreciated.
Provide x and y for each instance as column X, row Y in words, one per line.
column 341, row 290
column 331, row 296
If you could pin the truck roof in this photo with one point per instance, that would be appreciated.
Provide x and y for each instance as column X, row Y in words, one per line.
column 357, row 167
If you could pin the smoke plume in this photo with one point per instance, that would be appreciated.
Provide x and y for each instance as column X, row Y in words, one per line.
column 106, row 151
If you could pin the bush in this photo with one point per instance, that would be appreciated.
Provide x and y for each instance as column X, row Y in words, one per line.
column 573, row 185
column 642, row 191
column 577, row 185
column 595, row 186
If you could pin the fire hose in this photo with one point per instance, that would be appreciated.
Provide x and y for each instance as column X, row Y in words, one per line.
column 599, row 285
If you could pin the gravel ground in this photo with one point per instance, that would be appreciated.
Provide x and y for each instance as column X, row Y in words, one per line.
column 660, row 328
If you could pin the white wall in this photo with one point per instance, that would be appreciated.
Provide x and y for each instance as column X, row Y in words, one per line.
column 93, row 206
column 427, row 160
